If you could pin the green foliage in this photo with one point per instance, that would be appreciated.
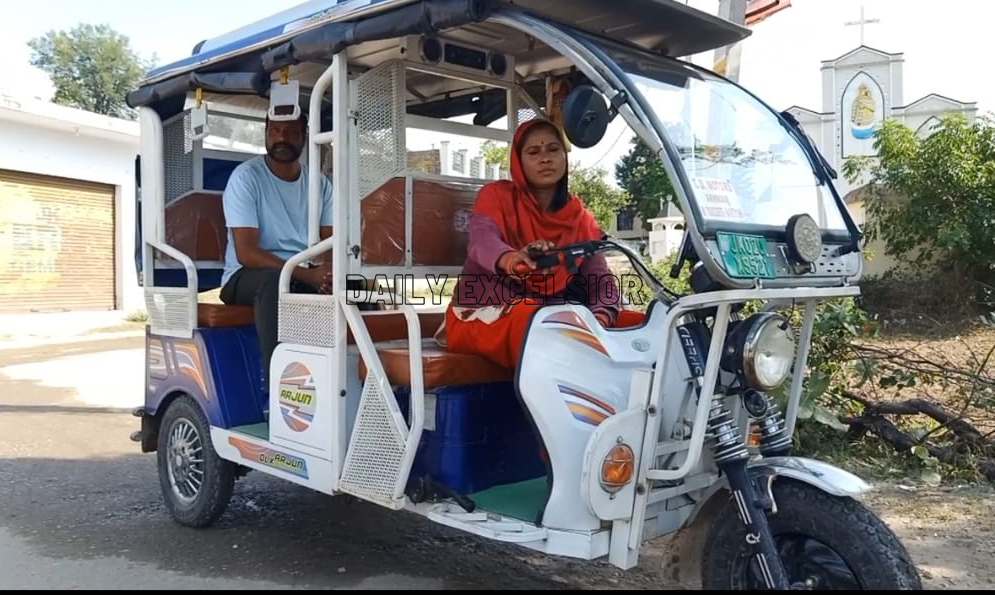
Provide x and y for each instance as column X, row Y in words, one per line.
column 602, row 199
column 641, row 174
column 495, row 154
column 932, row 200
column 91, row 66
column 837, row 324
column 640, row 299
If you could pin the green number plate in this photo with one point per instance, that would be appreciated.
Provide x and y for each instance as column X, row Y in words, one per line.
column 745, row 256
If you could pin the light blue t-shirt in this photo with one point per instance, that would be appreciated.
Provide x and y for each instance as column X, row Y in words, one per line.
column 255, row 197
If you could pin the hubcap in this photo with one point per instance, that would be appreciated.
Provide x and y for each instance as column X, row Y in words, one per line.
column 186, row 461
column 809, row 564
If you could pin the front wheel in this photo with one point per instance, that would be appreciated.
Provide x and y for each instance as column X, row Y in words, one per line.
column 196, row 483
column 825, row 542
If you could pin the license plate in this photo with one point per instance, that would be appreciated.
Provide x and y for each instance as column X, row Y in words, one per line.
column 745, row 256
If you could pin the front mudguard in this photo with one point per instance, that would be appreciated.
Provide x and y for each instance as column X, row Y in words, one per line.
column 826, row 477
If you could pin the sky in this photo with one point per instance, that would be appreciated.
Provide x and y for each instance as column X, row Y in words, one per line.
column 943, row 44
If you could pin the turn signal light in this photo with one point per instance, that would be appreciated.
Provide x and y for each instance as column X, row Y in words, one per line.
column 617, row 468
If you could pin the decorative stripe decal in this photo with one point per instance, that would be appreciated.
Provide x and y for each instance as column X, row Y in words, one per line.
column 585, row 338
column 594, row 401
column 586, row 414
column 568, row 318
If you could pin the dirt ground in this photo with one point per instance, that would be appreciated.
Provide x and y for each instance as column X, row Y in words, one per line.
column 950, row 532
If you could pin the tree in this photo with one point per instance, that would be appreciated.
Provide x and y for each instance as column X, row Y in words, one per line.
column 598, row 196
column 933, row 199
column 494, row 154
column 641, row 174
column 91, row 66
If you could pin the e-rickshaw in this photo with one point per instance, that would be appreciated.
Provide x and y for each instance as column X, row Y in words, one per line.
column 601, row 439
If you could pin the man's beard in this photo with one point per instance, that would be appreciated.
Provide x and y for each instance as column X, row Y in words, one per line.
column 283, row 152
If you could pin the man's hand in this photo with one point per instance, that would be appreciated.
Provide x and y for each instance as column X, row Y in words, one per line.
column 320, row 277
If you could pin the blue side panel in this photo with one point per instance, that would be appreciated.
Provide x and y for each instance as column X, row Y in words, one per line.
column 235, row 367
column 207, row 279
column 180, row 366
column 482, row 438
column 217, row 172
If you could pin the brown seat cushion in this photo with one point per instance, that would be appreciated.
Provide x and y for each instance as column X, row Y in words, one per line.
column 383, row 325
column 224, row 315
column 439, row 367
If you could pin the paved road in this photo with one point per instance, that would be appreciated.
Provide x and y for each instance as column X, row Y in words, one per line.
column 81, row 506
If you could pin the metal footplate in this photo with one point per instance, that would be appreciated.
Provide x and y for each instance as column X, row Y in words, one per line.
column 486, row 524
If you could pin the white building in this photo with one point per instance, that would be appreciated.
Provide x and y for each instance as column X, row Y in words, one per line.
column 860, row 90
column 666, row 234
column 67, row 209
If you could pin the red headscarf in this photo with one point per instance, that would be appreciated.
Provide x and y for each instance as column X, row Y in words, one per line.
column 513, row 207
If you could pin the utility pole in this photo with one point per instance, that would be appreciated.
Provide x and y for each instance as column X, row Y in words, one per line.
column 727, row 57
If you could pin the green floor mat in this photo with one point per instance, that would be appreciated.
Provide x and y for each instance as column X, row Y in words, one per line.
column 521, row 500
column 260, row 430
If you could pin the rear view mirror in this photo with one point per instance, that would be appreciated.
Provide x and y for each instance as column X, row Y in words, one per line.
column 585, row 116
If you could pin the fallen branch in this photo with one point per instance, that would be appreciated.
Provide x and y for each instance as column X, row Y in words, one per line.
column 912, row 361
column 920, row 406
column 872, row 420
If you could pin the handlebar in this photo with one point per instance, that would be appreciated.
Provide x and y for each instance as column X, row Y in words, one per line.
column 566, row 255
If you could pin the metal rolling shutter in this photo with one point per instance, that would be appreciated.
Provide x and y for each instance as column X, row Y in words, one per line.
column 56, row 244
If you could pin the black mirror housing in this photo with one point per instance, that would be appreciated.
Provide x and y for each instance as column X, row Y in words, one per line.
column 585, row 116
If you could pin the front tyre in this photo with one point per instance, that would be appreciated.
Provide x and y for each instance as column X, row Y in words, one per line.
column 196, row 483
column 826, row 542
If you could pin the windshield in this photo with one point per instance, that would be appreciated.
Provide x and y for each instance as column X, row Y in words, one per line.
column 743, row 166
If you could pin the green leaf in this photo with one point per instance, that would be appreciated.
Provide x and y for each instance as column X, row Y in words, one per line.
column 931, row 478
column 827, row 417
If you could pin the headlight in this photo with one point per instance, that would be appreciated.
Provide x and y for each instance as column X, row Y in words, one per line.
column 762, row 349
column 804, row 239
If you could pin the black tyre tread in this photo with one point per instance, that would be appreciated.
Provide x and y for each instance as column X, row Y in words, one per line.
column 219, row 474
column 893, row 568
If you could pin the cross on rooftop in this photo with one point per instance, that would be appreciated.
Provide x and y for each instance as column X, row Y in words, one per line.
column 862, row 22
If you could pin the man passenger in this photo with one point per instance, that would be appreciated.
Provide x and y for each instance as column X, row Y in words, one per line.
column 266, row 211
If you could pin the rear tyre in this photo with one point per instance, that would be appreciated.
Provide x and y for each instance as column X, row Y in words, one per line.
column 825, row 542
column 196, row 483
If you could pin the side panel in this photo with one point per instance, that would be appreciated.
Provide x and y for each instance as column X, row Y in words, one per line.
column 574, row 375
column 235, row 365
column 217, row 367
column 285, row 463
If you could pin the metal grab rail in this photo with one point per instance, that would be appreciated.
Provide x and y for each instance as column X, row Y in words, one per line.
column 724, row 300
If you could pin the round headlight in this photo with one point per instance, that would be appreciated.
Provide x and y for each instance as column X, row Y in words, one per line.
column 768, row 351
column 804, row 238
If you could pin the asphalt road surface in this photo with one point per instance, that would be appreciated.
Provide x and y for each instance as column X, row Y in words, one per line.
column 80, row 507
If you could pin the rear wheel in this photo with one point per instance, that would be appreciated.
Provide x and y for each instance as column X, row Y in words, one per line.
column 196, row 483
column 825, row 542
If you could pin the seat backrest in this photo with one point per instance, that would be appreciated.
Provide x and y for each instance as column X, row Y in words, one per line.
column 195, row 225
column 440, row 216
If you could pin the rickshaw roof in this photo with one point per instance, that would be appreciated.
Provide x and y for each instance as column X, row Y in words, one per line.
column 664, row 26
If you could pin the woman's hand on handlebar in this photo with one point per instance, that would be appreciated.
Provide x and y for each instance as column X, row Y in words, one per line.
column 520, row 263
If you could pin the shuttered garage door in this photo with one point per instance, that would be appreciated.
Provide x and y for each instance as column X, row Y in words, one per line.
column 56, row 244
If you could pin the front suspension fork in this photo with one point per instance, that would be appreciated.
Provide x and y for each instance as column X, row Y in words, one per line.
column 731, row 457
column 751, row 506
